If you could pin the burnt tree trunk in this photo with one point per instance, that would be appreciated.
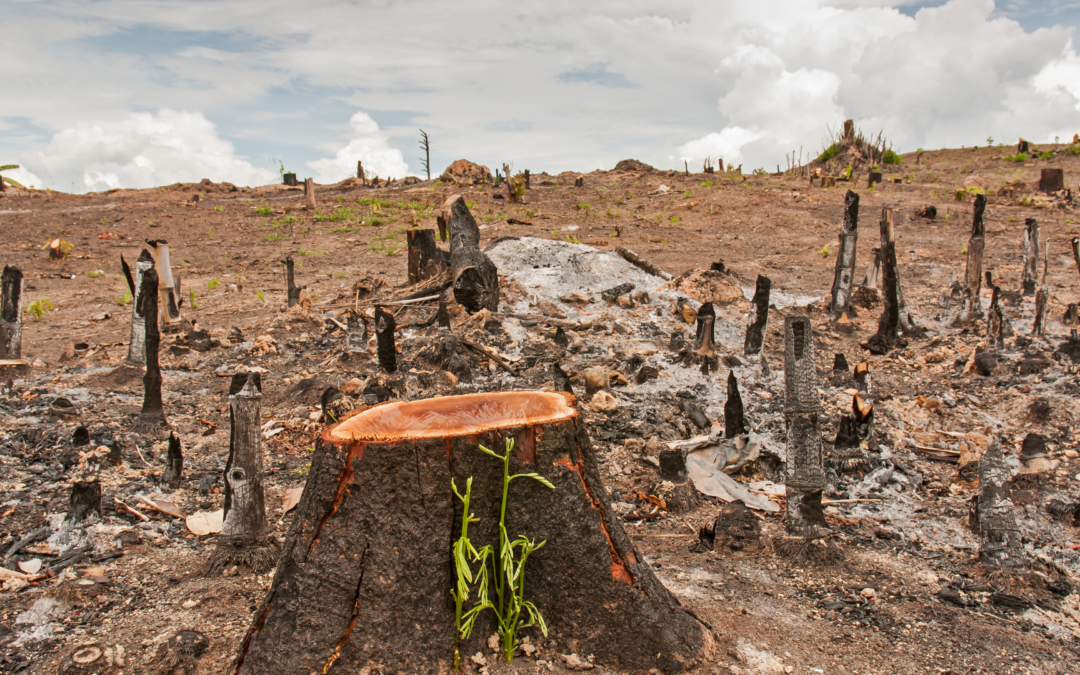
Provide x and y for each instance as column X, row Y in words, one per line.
column 174, row 463
column 759, row 317
column 1076, row 252
column 845, row 261
column 363, row 582
column 872, row 278
column 476, row 279
column 356, row 335
column 11, row 295
column 309, row 194
column 426, row 259
column 292, row 291
column 734, row 422
column 805, row 480
column 973, row 274
column 704, row 339
column 152, row 415
column 85, row 499
column 168, row 287
column 995, row 324
column 244, row 526
column 999, row 534
column 137, row 347
column 1042, row 299
column 1051, row 180
column 887, row 334
column 1031, row 255
column 385, row 348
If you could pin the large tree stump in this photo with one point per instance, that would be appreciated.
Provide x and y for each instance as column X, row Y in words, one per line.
column 1000, row 537
column 1031, row 255
column 151, row 417
column 364, row 579
column 11, row 292
column 973, row 274
column 840, row 305
column 887, row 334
column 805, row 480
column 426, row 259
column 1051, row 180
column 137, row 346
column 476, row 279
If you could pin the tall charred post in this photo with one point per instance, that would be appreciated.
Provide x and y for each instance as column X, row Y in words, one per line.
column 385, row 348
column 11, row 296
column 152, row 415
column 759, row 317
column 426, row 259
column 734, row 422
column 887, row 334
column 137, row 347
column 243, row 530
column 174, row 463
column 805, row 480
column 973, row 274
column 1042, row 298
column 999, row 534
column 704, row 339
column 475, row 277
column 840, row 305
column 995, row 324
column 292, row 291
column 1031, row 255
column 168, row 286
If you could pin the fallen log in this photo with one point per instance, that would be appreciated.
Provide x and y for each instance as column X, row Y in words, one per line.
column 641, row 263
column 365, row 575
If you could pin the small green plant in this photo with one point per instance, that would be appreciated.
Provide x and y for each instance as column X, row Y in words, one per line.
column 846, row 173
column 219, row 208
column 507, row 568
column 212, row 284
column 1073, row 149
column 313, row 253
column 151, row 223
column 707, row 183
column 340, row 275
column 516, row 186
column 124, row 299
column 39, row 309
column 583, row 206
column 829, row 152
column 94, row 274
column 824, row 252
column 1049, row 154
column 989, row 141
column 674, row 219
column 259, row 294
column 210, row 233
column 191, row 298
column 263, row 210
column 688, row 194
column 1018, row 157
column 11, row 181
column 572, row 239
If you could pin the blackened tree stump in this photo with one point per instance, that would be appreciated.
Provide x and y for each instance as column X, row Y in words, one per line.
column 11, row 303
column 365, row 576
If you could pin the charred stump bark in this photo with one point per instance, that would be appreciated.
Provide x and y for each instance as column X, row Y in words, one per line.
column 356, row 335
column 704, row 339
column 1031, row 255
column 1051, row 180
column 887, row 334
column 759, row 317
column 137, row 347
column 385, row 348
column 1075, row 243
column 476, row 279
column 998, row 531
column 174, row 463
column 364, row 578
column 292, row 291
column 84, row 500
column 805, row 480
column 995, row 324
column 309, row 194
column 973, row 274
column 151, row 417
column 734, row 422
column 426, row 259
column 845, row 261
column 244, row 526
column 168, row 287
column 11, row 296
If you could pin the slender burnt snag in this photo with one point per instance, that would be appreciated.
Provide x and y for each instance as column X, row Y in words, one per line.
column 425, row 145
column 872, row 278
column 973, row 274
column 85, row 499
column 1042, row 298
column 385, row 348
column 356, row 334
column 805, row 478
column 309, row 194
column 152, row 416
column 137, row 347
column 365, row 572
column 704, row 341
column 174, row 463
column 734, row 422
column 1076, row 252
column 243, row 531
column 476, row 279
column 443, row 315
column 426, row 259
column 845, row 261
column 759, row 317
column 11, row 296
column 887, row 334
column 995, row 324
column 1000, row 537
column 292, row 291
column 1031, row 255
column 168, row 287
column 561, row 379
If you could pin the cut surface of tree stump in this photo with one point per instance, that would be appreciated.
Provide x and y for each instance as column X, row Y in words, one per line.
column 364, row 579
column 11, row 293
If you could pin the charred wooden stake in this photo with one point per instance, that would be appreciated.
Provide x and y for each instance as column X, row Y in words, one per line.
column 356, row 335
column 85, row 499
column 802, row 411
column 476, row 279
column 385, row 348
column 291, row 290
column 137, row 346
column 366, row 566
column 734, row 423
column 309, row 194
column 704, row 341
column 695, row 414
column 168, row 287
column 1001, row 545
column 1052, row 180
column 759, row 317
column 973, row 274
column 243, row 531
column 152, row 416
column 426, row 259
column 174, row 463
column 1076, row 252
column 1042, row 298
column 11, row 295
column 443, row 314
column 1031, row 255
column 561, row 379
column 995, row 333
column 845, row 261
column 887, row 334
column 872, row 279
column 561, row 339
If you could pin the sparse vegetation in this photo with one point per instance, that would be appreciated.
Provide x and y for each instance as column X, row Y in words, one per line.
column 39, row 309
column 1018, row 157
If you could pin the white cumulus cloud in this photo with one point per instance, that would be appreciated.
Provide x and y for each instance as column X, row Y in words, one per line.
column 142, row 150
column 368, row 145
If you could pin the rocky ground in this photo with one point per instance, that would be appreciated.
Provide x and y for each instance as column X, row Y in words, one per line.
column 898, row 588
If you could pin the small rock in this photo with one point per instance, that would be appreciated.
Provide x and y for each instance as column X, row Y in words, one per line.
column 927, row 578
column 575, row 662
column 188, row 604
column 478, row 659
column 868, row 593
column 603, row 401
column 352, row 386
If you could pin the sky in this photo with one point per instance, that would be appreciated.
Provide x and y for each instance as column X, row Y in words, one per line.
column 99, row 94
